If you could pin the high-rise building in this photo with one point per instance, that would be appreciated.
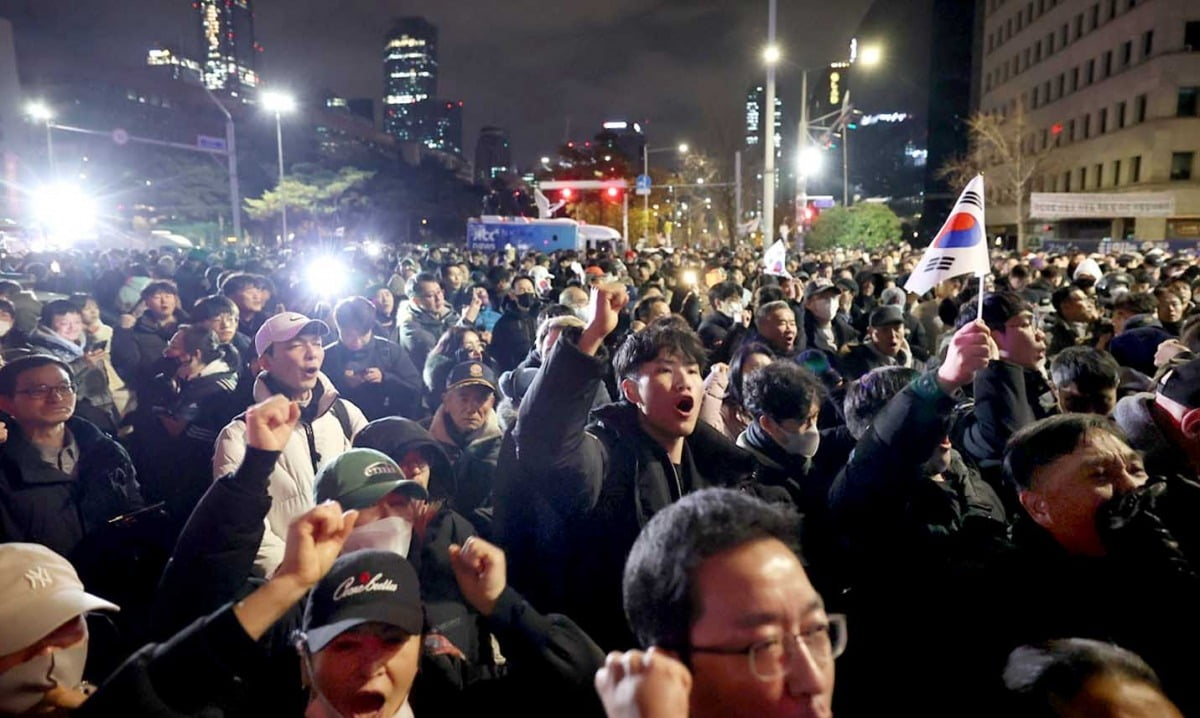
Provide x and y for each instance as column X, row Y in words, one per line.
column 755, row 103
column 9, row 121
column 493, row 155
column 1110, row 94
column 951, row 57
column 445, row 130
column 229, row 51
column 410, row 70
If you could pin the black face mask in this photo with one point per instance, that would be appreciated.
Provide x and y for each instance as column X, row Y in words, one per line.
column 526, row 301
column 1085, row 282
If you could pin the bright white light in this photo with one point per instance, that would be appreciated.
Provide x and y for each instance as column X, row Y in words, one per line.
column 871, row 55
column 64, row 211
column 278, row 102
column 810, row 161
column 545, row 160
column 618, row 125
column 683, row 148
column 327, row 276
column 771, row 54
column 699, row 180
column 373, row 249
column 40, row 111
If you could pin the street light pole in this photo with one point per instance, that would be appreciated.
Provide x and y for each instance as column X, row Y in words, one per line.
column 645, row 197
column 235, row 195
column 282, row 200
column 772, row 56
column 802, row 199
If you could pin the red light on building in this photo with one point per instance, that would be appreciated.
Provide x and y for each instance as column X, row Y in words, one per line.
column 1056, row 128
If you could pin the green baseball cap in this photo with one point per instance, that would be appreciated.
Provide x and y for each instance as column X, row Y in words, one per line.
column 360, row 477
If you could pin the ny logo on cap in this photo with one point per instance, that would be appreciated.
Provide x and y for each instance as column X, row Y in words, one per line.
column 38, row 577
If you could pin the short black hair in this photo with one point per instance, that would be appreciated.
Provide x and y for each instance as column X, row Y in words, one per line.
column 1043, row 442
column 1089, row 369
column 1061, row 295
column 782, row 390
column 1041, row 677
column 867, row 396
column 642, row 311
column 57, row 308
column 421, row 278
column 159, row 286
column 660, row 597
column 211, row 307
column 1136, row 303
column 660, row 335
column 11, row 371
column 998, row 308
column 355, row 314
column 737, row 369
column 238, row 281
column 721, row 291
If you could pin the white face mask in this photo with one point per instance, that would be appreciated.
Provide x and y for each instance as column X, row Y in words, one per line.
column 5, row 327
column 391, row 534
column 822, row 309
column 731, row 309
column 24, row 686
column 803, row 444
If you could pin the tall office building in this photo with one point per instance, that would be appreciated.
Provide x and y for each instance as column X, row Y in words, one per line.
column 1110, row 90
column 445, row 127
column 755, row 103
column 409, row 78
column 229, row 51
column 10, row 121
column 493, row 155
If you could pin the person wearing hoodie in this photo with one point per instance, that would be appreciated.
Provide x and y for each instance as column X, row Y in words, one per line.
column 466, row 426
column 374, row 373
column 173, row 437
column 290, row 350
column 1163, row 424
column 141, row 337
column 61, row 335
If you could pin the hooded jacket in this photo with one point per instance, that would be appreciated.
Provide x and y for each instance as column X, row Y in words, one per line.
column 420, row 330
column 399, row 394
column 317, row 438
column 91, row 382
column 587, row 487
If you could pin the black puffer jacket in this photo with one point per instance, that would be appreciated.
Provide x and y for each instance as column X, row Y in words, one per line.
column 596, row 485
column 399, row 394
column 135, row 351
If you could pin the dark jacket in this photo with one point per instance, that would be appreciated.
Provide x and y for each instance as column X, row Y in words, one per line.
column 721, row 336
column 1061, row 334
column 1007, row 398
column 95, row 400
column 863, row 358
column 910, row 547
column 135, row 351
column 1146, row 432
column 399, row 394
column 513, row 336
column 843, row 334
column 601, row 482
column 420, row 330
column 215, row 555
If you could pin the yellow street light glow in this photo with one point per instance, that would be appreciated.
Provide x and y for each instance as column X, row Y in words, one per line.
column 871, row 55
column 772, row 54
column 683, row 148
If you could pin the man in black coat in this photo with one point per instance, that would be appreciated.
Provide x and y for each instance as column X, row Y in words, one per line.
column 374, row 374
column 603, row 480
column 824, row 328
column 513, row 335
column 138, row 342
column 723, row 329
column 886, row 345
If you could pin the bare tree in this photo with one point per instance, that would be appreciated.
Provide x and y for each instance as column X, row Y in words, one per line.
column 1009, row 153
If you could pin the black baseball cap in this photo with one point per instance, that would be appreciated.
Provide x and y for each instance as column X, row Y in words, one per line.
column 885, row 315
column 472, row 372
column 1182, row 384
column 368, row 586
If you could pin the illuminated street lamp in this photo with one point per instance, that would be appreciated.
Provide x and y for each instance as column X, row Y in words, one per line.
column 870, row 56
column 41, row 112
column 646, row 152
column 280, row 103
column 771, row 56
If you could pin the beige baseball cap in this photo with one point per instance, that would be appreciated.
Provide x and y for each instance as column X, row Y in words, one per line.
column 39, row 591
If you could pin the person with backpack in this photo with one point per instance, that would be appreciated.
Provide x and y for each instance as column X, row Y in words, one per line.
column 290, row 351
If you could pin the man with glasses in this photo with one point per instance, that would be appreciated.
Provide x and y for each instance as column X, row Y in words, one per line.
column 715, row 589
column 61, row 479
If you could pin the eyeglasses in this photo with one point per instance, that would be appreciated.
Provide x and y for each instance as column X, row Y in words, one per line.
column 769, row 659
column 42, row 391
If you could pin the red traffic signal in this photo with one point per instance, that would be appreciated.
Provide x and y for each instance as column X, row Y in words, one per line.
column 613, row 193
column 566, row 193
column 811, row 213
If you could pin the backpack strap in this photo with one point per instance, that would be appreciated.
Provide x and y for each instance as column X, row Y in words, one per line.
column 343, row 416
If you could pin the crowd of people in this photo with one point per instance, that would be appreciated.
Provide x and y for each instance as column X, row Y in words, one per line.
column 430, row 481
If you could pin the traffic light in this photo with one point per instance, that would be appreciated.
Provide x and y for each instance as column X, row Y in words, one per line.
column 613, row 194
column 567, row 194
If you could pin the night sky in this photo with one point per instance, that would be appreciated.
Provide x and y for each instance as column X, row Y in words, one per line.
column 680, row 66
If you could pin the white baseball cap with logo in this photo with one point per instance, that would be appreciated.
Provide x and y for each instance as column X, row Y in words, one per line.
column 286, row 326
column 39, row 591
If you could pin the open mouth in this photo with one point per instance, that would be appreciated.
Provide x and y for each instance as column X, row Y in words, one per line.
column 366, row 704
column 685, row 405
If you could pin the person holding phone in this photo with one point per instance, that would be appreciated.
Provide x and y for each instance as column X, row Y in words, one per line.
column 60, row 334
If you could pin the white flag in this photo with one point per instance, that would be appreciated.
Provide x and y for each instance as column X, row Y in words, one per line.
column 775, row 260
column 961, row 246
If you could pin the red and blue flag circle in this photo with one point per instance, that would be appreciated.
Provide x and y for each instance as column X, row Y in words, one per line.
column 961, row 230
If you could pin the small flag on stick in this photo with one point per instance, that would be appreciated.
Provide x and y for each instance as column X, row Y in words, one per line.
column 960, row 248
column 775, row 260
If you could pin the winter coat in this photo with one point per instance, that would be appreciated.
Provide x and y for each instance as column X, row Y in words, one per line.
column 843, row 334
column 318, row 438
column 420, row 330
column 473, row 457
column 135, row 351
column 862, row 358
column 513, row 336
column 588, row 487
column 1135, row 415
column 215, row 557
column 399, row 394
column 95, row 401
column 1061, row 334
column 721, row 336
